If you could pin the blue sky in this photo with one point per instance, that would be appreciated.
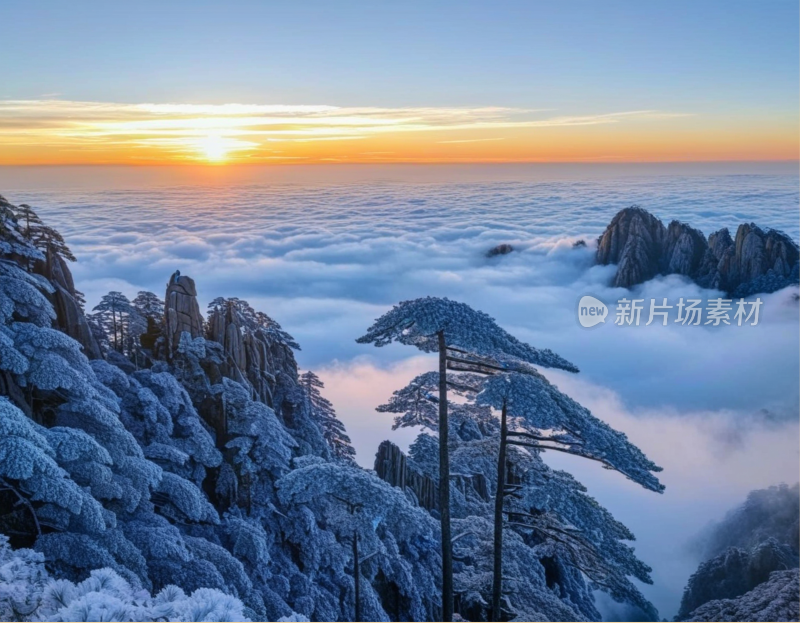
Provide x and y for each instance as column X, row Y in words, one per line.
column 547, row 54
column 566, row 81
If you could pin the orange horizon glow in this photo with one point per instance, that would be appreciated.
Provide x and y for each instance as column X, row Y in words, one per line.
column 58, row 132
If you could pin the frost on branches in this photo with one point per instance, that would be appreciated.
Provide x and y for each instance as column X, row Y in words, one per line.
column 417, row 322
column 29, row 593
column 324, row 414
column 149, row 483
column 575, row 544
column 149, row 475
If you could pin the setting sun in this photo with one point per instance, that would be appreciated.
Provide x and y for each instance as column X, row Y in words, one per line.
column 214, row 148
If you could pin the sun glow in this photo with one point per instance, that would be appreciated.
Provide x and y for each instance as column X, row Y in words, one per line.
column 72, row 132
column 214, row 148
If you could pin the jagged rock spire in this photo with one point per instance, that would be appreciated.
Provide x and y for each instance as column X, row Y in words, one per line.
column 181, row 311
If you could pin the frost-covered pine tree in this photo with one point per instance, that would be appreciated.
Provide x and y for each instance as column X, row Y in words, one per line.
column 29, row 593
column 324, row 414
column 114, row 309
column 548, row 511
column 40, row 235
column 458, row 334
column 329, row 506
column 149, row 305
column 13, row 241
column 50, row 240
column 541, row 418
column 28, row 219
column 546, row 419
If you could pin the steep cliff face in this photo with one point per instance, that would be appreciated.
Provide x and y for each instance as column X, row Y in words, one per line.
column 242, row 345
column 683, row 251
column 633, row 241
column 744, row 552
column 392, row 466
column 735, row 572
column 70, row 317
column 774, row 600
column 755, row 261
column 257, row 349
column 181, row 311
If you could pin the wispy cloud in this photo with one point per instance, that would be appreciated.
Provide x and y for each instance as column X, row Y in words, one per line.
column 186, row 130
column 471, row 140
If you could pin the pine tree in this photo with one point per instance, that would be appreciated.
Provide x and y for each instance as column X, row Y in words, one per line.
column 115, row 308
column 546, row 419
column 323, row 413
column 30, row 222
column 40, row 235
column 149, row 305
column 458, row 333
column 549, row 509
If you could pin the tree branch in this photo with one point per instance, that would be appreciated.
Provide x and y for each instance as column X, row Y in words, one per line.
column 25, row 502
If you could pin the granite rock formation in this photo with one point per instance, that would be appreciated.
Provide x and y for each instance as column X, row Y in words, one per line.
column 735, row 572
column 181, row 311
column 755, row 261
column 744, row 552
column 633, row 241
column 774, row 600
column 393, row 466
column 683, row 251
column 500, row 249
column 254, row 345
column 70, row 317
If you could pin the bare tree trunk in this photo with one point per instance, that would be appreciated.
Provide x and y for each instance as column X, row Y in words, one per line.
column 497, row 577
column 444, row 486
column 114, row 323
column 121, row 333
column 357, row 578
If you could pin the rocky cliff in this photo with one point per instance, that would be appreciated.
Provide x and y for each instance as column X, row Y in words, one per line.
column 735, row 572
column 181, row 311
column 744, row 552
column 755, row 261
column 774, row 600
column 70, row 317
column 633, row 241
column 392, row 466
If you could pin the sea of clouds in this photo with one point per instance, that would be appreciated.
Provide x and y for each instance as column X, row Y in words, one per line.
column 325, row 251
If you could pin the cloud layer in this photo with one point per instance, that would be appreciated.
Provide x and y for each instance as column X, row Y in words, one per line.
column 717, row 408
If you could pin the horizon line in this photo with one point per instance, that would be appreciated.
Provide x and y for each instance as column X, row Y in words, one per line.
column 414, row 162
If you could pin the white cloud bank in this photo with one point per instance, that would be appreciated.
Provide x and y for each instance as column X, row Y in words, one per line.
column 326, row 258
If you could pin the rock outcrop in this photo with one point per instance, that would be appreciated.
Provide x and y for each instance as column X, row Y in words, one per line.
column 70, row 317
column 755, row 261
column 735, row 572
column 257, row 349
column 500, row 249
column 181, row 311
column 392, row 466
column 633, row 241
column 778, row 599
column 683, row 251
column 743, row 553
column 235, row 343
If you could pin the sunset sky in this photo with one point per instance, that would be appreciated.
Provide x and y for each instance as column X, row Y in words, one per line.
column 303, row 82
